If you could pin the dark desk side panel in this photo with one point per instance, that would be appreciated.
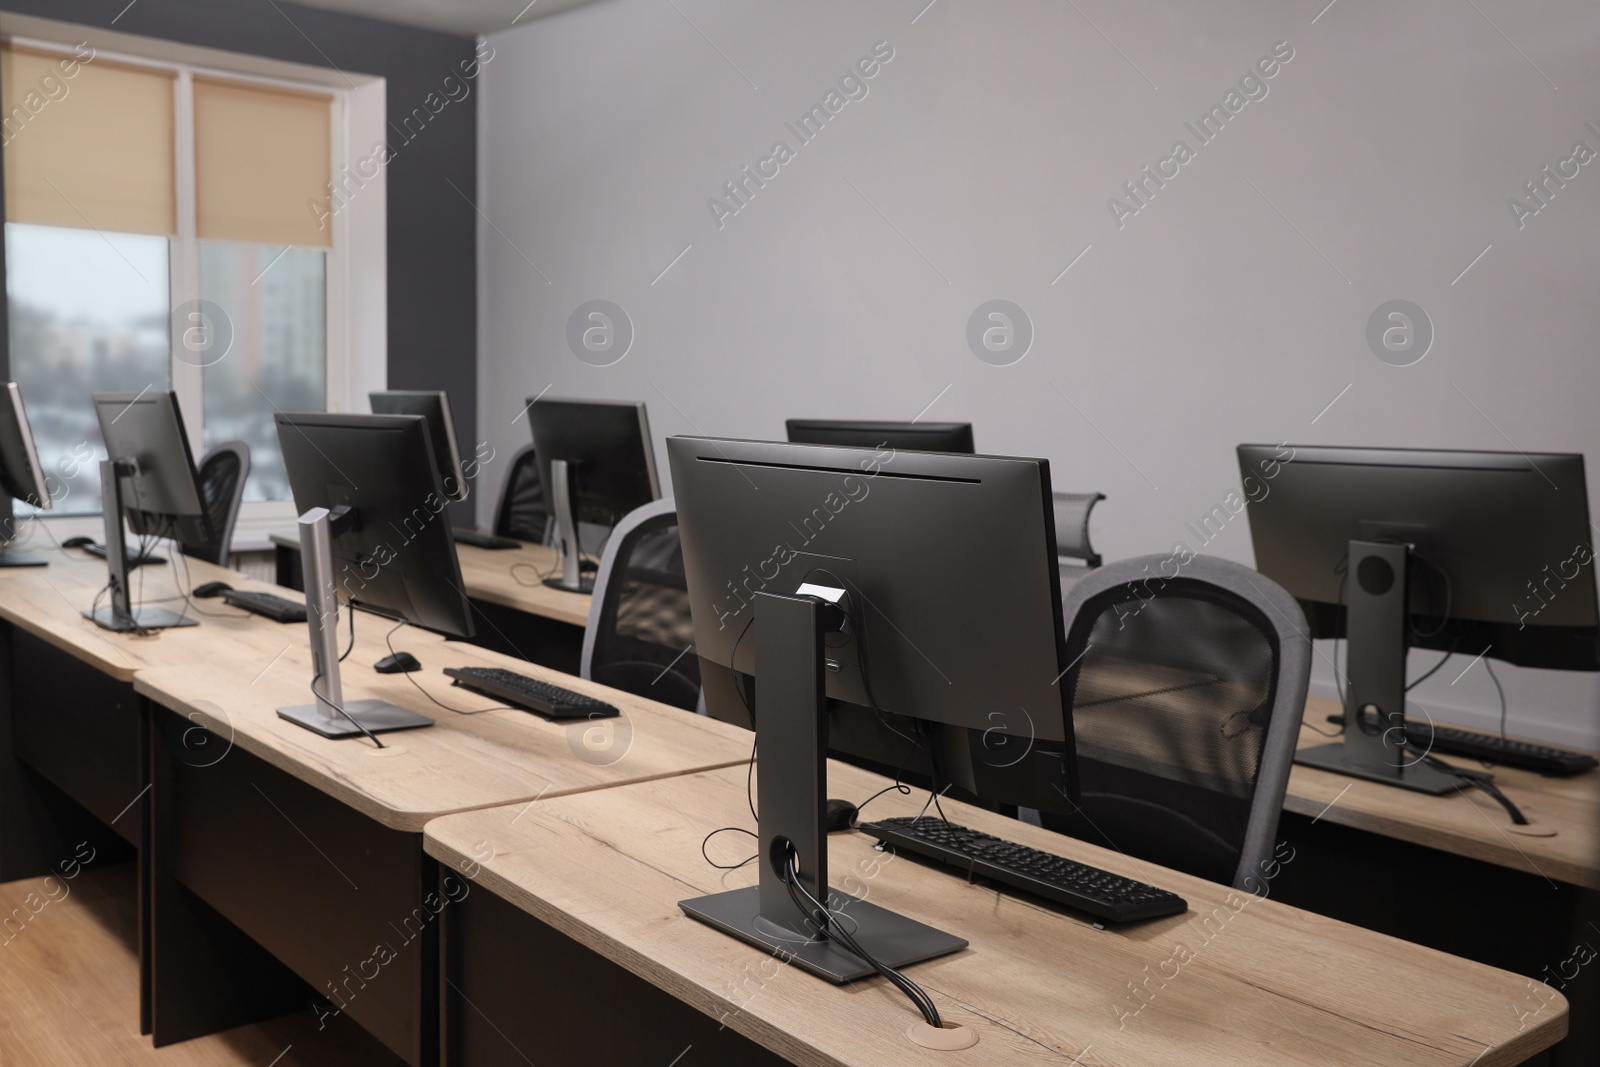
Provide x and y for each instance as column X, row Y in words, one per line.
column 79, row 729
column 519, row 991
column 334, row 895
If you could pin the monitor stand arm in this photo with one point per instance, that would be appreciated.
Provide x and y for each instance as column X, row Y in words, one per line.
column 791, row 762
column 561, row 497
column 330, row 716
column 1377, row 585
column 121, row 616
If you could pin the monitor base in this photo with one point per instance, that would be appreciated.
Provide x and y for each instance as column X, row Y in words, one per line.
column 21, row 559
column 139, row 619
column 584, row 584
column 1416, row 776
column 376, row 715
column 895, row 940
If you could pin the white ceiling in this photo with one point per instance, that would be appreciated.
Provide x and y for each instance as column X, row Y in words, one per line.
column 469, row 17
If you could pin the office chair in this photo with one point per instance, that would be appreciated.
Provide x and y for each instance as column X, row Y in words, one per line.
column 522, row 513
column 639, row 625
column 1075, row 557
column 1186, row 704
column 223, row 471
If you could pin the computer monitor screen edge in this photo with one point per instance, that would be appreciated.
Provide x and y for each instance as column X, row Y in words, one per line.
column 870, row 433
column 433, row 405
column 21, row 474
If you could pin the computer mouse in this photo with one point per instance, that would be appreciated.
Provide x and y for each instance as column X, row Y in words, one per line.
column 399, row 663
column 211, row 589
column 77, row 542
column 840, row 815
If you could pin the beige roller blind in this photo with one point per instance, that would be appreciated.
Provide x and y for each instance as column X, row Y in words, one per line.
column 261, row 164
column 87, row 143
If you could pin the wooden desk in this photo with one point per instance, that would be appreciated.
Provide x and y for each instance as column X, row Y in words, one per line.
column 600, row 875
column 516, row 613
column 1467, row 823
column 272, row 857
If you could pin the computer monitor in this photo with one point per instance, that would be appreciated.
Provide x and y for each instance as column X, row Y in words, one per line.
column 20, row 473
column 435, row 407
column 909, row 436
column 149, row 478
column 1482, row 553
column 851, row 584
column 373, row 534
column 597, row 463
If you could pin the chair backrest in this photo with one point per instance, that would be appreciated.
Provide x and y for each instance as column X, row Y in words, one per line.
column 639, row 625
column 1072, row 527
column 223, row 471
column 1187, row 694
column 523, row 512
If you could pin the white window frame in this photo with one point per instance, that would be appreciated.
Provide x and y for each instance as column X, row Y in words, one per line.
column 355, row 306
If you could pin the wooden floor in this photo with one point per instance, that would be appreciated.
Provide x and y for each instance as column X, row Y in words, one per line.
column 69, row 990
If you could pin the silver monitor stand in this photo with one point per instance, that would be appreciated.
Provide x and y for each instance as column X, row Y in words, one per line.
column 572, row 578
column 330, row 716
column 122, row 616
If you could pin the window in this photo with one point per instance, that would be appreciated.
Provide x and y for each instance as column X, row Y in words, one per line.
column 188, row 251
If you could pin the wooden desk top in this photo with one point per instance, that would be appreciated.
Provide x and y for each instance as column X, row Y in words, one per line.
column 1468, row 823
column 512, row 578
column 49, row 601
column 234, row 670
column 1259, row 983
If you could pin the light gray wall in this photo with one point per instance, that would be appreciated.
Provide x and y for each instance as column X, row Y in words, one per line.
column 979, row 164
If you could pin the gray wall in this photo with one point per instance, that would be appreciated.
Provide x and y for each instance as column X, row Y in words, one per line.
column 1232, row 306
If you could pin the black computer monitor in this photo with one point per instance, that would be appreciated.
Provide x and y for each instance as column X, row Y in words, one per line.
column 21, row 476
column 433, row 406
column 373, row 534
column 909, row 436
column 149, row 478
column 1471, row 552
column 945, row 612
column 597, row 463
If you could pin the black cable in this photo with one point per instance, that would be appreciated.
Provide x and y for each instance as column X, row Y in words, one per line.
column 1478, row 779
column 1488, row 666
column 349, row 610
column 727, row 830
column 1449, row 599
column 837, row 932
column 430, row 696
column 1436, row 667
column 356, row 722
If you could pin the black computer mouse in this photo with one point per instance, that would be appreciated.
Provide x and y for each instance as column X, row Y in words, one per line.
column 399, row 663
column 211, row 589
column 840, row 815
column 77, row 542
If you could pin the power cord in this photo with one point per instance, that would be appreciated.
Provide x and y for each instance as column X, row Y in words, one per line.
column 837, row 932
column 354, row 721
column 418, row 685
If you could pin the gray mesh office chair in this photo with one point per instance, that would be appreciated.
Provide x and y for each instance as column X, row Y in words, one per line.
column 1186, row 696
column 523, row 513
column 222, row 473
column 1075, row 557
column 639, row 624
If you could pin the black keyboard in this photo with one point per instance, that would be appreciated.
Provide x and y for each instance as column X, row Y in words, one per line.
column 1448, row 740
column 541, row 698
column 467, row 536
column 1076, row 885
column 95, row 548
column 275, row 608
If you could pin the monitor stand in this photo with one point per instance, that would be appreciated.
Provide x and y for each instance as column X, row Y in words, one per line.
column 1377, row 585
column 122, row 616
column 572, row 579
column 791, row 761
column 324, row 716
column 8, row 558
